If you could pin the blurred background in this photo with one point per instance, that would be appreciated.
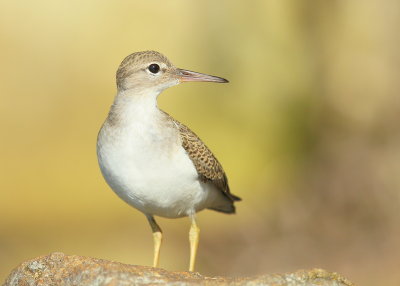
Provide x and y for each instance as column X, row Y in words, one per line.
column 307, row 131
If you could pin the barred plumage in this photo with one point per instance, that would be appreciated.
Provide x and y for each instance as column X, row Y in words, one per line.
column 207, row 165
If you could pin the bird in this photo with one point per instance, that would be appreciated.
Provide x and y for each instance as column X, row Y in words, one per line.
column 152, row 161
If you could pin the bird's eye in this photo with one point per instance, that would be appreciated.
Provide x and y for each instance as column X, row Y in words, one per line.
column 154, row 68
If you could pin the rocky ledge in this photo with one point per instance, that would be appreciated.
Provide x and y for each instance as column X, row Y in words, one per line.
column 65, row 270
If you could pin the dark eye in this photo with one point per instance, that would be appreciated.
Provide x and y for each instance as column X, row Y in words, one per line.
column 154, row 68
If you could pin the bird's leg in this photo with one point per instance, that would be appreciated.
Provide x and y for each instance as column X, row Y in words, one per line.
column 194, row 241
column 157, row 237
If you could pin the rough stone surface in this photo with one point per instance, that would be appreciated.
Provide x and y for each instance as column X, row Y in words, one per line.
column 65, row 270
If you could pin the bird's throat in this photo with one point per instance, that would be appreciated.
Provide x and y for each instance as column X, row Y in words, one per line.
column 130, row 107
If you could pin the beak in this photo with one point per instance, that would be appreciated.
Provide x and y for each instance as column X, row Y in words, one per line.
column 185, row 75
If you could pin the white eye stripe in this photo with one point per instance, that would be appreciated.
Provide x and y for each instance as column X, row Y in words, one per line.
column 153, row 74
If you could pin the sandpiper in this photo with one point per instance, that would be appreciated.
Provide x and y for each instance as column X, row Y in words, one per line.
column 153, row 162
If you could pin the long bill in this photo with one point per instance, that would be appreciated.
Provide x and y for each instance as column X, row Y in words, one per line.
column 186, row 75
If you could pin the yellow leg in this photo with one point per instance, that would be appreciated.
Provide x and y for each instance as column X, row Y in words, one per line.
column 157, row 237
column 194, row 242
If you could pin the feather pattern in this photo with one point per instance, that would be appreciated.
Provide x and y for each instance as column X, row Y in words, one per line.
column 206, row 164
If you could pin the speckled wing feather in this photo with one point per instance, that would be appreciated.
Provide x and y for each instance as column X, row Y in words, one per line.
column 207, row 166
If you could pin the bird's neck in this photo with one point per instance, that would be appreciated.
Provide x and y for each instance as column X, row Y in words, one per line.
column 132, row 106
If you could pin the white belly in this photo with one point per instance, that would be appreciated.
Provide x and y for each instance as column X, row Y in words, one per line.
column 154, row 175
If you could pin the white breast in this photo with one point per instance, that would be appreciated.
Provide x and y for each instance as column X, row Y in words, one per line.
column 144, row 162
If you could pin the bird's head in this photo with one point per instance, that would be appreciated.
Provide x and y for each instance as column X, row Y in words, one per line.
column 152, row 71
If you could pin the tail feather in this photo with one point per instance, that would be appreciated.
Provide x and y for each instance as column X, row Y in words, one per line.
column 227, row 205
column 235, row 198
column 227, row 210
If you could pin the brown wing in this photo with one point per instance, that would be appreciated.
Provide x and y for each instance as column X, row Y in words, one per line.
column 207, row 166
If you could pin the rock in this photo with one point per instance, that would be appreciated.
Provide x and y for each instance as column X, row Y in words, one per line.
column 65, row 270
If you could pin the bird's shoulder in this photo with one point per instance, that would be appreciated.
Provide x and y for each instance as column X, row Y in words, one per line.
column 208, row 167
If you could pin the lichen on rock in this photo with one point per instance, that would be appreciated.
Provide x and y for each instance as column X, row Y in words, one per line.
column 67, row 270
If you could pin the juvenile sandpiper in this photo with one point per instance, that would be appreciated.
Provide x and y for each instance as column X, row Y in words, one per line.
column 153, row 162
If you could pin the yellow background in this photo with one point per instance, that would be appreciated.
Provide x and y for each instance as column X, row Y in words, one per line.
column 307, row 131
